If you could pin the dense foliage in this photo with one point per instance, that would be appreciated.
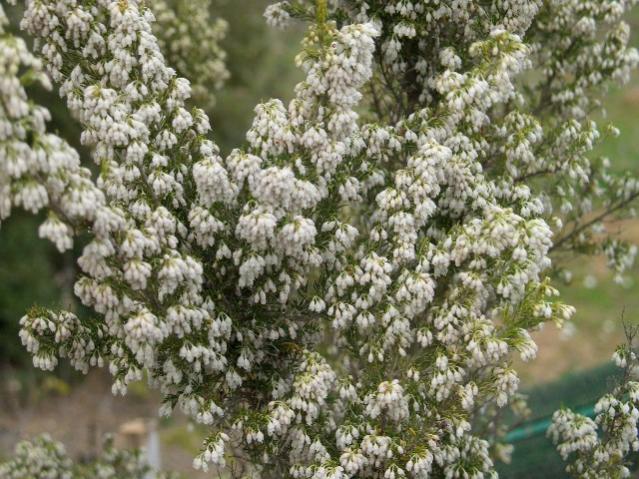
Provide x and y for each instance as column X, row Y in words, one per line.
column 342, row 296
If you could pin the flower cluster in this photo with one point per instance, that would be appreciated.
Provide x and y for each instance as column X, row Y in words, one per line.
column 583, row 193
column 598, row 448
column 576, row 48
column 45, row 458
column 190, row 40
column 343, row 296
column 37, row 169
column 42, row 457
column 141, row 271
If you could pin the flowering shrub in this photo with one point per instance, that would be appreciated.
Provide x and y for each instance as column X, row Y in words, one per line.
column 190, row 40
column 598, row 448
column 44, row 458
column 343, row 295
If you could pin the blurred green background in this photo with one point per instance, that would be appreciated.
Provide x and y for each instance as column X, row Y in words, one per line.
column 572, row 368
